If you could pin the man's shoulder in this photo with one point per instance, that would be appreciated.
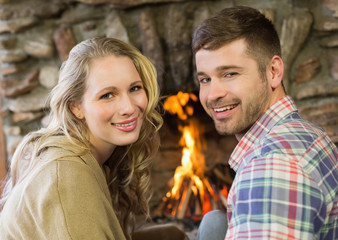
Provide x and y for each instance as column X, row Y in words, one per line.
column 294, row 137
column 297, row 138
column 294, row 129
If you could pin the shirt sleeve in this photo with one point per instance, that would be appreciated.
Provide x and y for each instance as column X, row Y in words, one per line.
column 274, row 199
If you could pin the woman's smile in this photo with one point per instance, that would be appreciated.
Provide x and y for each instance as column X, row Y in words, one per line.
column 126, row 126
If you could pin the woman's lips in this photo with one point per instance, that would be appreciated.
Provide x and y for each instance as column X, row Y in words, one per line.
column 126, row 126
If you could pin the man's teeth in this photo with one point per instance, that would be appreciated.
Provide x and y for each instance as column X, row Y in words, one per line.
column 124, row 124
column 224, row 108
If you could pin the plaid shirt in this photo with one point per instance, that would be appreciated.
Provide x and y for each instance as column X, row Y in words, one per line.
column 286, row 179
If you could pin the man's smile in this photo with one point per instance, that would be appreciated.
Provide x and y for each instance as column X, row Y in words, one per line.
column 226, row 108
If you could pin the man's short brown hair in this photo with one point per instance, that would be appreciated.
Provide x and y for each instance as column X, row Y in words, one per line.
column 235, row 23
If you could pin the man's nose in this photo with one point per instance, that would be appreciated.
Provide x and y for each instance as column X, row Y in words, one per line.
column 217, row 90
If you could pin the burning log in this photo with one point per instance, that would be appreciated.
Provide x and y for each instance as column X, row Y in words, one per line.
column 182, row 207
column 190, row 203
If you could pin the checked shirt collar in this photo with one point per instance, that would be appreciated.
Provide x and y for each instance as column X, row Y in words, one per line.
column 261, row 127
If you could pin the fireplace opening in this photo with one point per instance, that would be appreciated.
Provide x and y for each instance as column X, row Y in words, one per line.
column 201, row 178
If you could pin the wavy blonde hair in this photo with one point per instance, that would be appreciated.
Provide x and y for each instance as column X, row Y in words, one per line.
column 128, row 173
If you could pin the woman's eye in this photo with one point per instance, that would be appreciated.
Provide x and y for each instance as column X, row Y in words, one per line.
column 135, row 88
column 106, row 96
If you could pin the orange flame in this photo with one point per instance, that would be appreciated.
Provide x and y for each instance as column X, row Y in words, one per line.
column 192, row 162
column 177, row 104
column 193, row 194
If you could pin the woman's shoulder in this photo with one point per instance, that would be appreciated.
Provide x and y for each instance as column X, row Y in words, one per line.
column 53, row 191
column 67, row 164
column 65, row 167
column 52, row 165
column 65, row 172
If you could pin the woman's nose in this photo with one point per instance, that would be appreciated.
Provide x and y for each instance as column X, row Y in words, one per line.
column 127, row 106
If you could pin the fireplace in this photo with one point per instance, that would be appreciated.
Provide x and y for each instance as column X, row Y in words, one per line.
column 190, row 175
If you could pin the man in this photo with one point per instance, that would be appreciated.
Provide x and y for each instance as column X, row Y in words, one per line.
column 286, row 168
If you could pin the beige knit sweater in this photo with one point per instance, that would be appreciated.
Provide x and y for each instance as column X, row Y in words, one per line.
column 66, row 198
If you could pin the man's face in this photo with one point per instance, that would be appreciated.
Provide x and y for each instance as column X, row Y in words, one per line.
column 232, row 90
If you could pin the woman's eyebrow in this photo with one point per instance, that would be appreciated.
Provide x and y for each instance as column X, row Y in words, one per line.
column 106, row 89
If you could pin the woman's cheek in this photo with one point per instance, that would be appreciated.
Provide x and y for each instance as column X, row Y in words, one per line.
column 144, row 101
column 103, row 113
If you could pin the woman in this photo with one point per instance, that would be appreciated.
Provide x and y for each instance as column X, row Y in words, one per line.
column 86, row 175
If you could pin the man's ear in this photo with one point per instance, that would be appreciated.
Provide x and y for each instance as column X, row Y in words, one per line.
column 275, row 72
column 76, row 110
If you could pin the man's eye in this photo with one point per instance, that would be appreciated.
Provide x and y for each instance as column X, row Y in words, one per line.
column 106, row 96
column 229, row 75
column 204, row 80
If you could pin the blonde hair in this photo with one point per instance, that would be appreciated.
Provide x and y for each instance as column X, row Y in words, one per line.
column 128, row 168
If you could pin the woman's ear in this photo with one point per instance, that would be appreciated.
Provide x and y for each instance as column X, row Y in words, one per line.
column 276, row 71
column 76, row 110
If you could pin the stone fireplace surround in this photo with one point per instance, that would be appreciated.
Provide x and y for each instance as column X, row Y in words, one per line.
column 36, row 36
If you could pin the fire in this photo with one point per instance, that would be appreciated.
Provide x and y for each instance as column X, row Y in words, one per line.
column 191, row 189
column 177, row 104
column 192, row 162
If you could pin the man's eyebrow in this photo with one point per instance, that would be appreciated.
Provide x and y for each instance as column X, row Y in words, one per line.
column 221, row 68
column 201, row 74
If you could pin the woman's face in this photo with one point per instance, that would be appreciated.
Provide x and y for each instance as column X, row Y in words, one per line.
column 113, row 104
